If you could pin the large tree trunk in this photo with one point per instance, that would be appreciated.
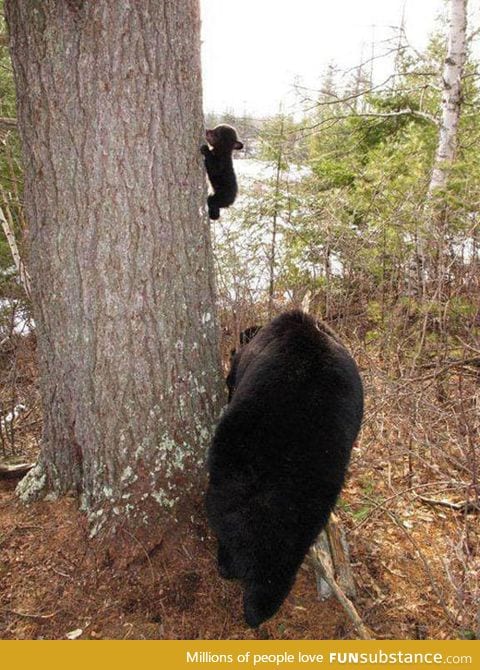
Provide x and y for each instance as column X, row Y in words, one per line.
column 452, row 95
column 110, row 115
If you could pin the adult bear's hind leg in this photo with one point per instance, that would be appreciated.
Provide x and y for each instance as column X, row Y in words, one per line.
column 262, row 600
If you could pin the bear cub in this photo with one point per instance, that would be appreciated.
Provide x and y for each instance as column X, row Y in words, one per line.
column 219, row 165
column 279, row 455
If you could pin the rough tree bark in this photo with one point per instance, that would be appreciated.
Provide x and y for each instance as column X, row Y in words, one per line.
column 110, row 116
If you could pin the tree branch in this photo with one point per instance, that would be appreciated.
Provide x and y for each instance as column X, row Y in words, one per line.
column 473, row 35
column 465, row 506
column 12, row 243
column 7, row 124
column 336, row 99
column 376, row 115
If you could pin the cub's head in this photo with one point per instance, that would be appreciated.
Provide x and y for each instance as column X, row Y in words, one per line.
column 224, row 138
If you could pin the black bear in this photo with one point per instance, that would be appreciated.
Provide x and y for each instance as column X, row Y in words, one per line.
column 279, row 455
column 219, row 165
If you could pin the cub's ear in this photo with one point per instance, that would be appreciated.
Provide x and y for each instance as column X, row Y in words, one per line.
column 238, row 145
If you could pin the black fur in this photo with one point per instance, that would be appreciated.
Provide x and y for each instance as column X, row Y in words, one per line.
column 248, row 334
column 219, row 165
column 279, row 455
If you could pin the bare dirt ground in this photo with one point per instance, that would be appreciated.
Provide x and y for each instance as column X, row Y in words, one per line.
column 416, row 563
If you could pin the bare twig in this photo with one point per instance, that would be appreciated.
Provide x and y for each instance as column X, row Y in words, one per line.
column 375, row 115
column 7, row 124
column 12, row 243
column 381, row 505
column 465, row 506
column 29, row 615
column 473, row 35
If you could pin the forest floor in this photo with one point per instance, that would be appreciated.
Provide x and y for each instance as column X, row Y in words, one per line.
column 416, row 563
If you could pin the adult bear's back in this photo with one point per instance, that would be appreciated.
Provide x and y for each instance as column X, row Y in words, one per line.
column 293, row 379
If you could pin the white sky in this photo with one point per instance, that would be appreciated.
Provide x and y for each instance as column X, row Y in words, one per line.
column 254, row 49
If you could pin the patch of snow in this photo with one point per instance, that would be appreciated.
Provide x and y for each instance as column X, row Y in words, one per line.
column 257, row 170
column 23, row 324
column 11, row 416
